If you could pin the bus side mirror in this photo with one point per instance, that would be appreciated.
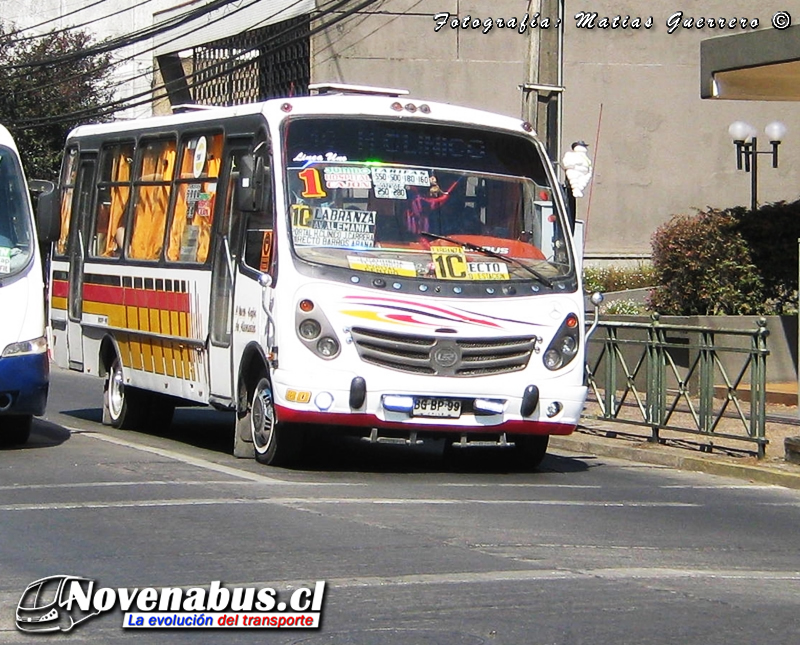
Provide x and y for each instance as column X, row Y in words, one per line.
column 46, row 210
column 253, row 193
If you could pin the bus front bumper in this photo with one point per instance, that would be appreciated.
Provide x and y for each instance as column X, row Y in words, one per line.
column 547, row 408
column 24, row 384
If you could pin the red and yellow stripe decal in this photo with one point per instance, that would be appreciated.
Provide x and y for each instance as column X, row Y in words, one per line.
column 129, row 311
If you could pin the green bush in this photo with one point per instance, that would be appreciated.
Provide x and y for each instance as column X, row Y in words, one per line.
column 615, row 278
column 772, row 234
column 704, row 266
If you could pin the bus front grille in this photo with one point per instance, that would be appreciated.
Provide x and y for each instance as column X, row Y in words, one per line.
column 437, row 356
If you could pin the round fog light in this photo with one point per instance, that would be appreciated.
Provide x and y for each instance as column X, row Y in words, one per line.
column 553, row 409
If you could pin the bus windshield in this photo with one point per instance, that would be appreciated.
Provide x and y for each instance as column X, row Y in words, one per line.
column 423, row 201
column 16, row 235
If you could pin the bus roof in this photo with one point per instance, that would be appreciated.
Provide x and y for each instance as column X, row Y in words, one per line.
column 320, row 105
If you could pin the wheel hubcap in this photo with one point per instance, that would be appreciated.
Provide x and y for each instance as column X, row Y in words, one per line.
column 115, row 392
column 263, row 419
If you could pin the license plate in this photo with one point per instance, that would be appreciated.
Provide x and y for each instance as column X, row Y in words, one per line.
column 448, row 408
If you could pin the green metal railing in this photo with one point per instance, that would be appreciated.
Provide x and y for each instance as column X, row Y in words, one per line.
column 695, row 380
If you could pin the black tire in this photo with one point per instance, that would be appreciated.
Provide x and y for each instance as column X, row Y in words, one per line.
column 160, row 410
column 531, row 449
column 15, row 430
column 123, row 407
column 274, row 443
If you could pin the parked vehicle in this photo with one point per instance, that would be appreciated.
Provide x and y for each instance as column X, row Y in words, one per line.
column 24, row 363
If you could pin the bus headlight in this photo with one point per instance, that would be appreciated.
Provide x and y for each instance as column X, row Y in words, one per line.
column 327, row 347
column 315, row 330
column 552, row 359
column 565, row 344
column 35, row 346
column 309, row 329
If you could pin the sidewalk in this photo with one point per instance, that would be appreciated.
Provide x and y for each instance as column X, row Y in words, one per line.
column 624, row 441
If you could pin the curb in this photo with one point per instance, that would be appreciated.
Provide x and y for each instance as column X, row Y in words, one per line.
column 658, row 455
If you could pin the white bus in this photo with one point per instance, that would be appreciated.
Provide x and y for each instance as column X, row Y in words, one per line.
column 353, row 261
column 24, row 363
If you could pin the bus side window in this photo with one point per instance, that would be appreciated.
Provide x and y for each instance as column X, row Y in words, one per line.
column 258, row 240
column 68, row 174
column 113, row 192
column 153, row 187
column 190, row 230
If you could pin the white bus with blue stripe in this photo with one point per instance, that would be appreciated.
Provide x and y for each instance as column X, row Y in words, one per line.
column 24, row 366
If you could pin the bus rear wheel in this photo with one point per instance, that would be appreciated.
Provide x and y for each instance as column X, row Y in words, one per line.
column 123, row 407
column 274, row 443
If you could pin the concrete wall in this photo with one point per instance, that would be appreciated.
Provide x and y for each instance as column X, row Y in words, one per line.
column 633, row 95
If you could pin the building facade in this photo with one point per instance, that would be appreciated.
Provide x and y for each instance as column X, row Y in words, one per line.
column 626, row 76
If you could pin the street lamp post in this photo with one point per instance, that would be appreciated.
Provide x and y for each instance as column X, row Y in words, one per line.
column 746, row 142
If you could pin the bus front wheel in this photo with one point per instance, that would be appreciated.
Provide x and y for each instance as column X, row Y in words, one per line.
column 274, row 443
column 531, row 449
column 15, row 430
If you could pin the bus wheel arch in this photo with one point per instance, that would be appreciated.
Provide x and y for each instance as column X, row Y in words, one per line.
column 271, row 441
column 252, row 366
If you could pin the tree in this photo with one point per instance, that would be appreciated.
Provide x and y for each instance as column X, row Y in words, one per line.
column 48, row 85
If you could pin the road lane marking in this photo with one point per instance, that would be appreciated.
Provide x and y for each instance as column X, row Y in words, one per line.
column 151, row 482
column 204, row 463
column 341, row 501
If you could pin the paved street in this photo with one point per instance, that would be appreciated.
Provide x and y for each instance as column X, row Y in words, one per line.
column 588, row 550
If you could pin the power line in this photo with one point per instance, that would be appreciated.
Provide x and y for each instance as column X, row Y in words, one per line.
column 59, row 17
column 120, row 61
column 113, row 106
column 130, row 39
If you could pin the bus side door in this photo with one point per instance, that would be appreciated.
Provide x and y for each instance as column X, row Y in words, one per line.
column 79, row 225
column 227, row 245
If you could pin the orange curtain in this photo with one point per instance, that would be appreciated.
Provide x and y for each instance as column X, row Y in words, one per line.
column 150, row 214
column 203, row 214
column 66, row 212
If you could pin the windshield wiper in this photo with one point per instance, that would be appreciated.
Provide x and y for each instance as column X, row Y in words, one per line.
column 492, row 254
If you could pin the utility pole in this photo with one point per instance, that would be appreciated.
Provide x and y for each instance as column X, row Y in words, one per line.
column 543, row 85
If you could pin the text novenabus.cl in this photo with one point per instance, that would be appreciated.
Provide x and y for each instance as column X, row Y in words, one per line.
column 58, row 603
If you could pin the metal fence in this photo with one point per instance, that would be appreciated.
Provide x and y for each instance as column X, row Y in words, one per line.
column 687, row 380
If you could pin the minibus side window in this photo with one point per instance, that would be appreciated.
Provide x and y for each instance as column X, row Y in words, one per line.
column 114, row 191
column 152, row 192
column 196, row 185
column 68, row 173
